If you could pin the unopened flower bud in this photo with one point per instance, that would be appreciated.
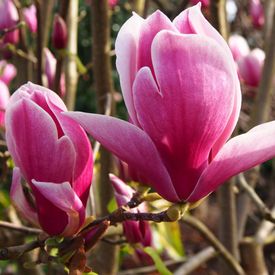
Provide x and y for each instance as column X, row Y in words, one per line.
column 60, row 33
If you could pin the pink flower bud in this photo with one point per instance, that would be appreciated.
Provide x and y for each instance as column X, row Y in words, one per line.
column 53, row 155
column 256, row 11
column 59, row 34
column 7, row 72
column 30, row 18
column 112, row 3
column 135, row 232
column 8, row 19
column 238, row 46
column 50, row 68
column 4, row 98
column 251, row 66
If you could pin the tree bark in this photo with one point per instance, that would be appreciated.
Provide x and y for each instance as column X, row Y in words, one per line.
column 103, row 85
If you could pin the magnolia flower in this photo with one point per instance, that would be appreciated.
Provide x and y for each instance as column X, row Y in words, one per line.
column 181, row 89
column 8, row 19
column 256, row 12
column 50, row 68
column 4, row 99
column 238, row 46
column 7, row 72
column 112, row 3
column 251, row 66
column 53, row 154
column 60, row 33
column 30, row 18
column 135, row 231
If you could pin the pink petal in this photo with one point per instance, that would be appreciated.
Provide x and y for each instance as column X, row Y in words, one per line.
column 126, row 51
column 250, row 67
column 62, row 196
column 237, row 155
column 150, row 27
column 19, row 200
column 131, row 145
column 50, row 67
column 7, row 72
column 4, row 99
column 238, row 46
column 197, row 24
column 32, row 91
column 190, row 112
column 181, row 22
column 36, row 148
column 30, row 17
column 123, row 192
column 83, row 168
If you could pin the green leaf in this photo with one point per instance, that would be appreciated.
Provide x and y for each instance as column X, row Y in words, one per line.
column 170, row 238
column 4, row 199
column 112, row 205
column 80, row 66
column 162, row 269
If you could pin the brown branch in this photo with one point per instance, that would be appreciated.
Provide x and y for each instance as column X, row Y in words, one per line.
column 227, row 199
column 23, row 229
column 262, row 105
column 265, row 211
column 14, row 252
column 102, row 71
column 13, row 28
column 71, row 67
column 252, row 256
column 210, row 237
column 58, row 72
column 218, row 17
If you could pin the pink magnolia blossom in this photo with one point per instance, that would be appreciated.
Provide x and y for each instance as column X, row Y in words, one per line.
column 256, row 12
column 30, row 17
column 238, row 46
column 135, row 231
column 60, row 33
column 251, row 66
column 50, row 68
column 8, row 19
column 4, row 99
column 182, row 92
column 53, row 154
column 7, row 72
column 112, row 3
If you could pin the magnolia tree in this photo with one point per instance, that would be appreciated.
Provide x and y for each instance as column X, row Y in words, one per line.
column 99, row 157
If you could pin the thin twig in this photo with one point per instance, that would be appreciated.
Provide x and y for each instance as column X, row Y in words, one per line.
column 13, row 28
column 266, row 213
column 71, row 66
column 210, row 237
column 148, row 269
column 264, row 229
column 196, row 261
column 23, row 229
column 114, row 242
